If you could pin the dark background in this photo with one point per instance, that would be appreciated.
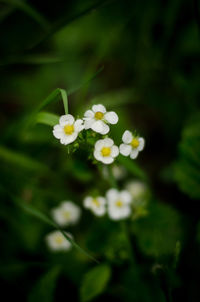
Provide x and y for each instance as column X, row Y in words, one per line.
column 141, row 59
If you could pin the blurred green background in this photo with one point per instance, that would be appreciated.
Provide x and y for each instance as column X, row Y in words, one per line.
column 140, row 59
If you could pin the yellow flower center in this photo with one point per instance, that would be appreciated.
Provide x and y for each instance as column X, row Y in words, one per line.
column 96, row 202
column 119, row 203
column 135, row 143
column 98, row 115
column 69, row 129
column 59, row 240
column 105, row 151
column 66, row 214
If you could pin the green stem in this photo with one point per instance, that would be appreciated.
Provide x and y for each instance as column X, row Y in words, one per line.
column 114, row 184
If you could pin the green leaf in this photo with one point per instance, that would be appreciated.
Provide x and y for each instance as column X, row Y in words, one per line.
column 94, row 282
column 47, row 118
column 132, row 167
column 187, row 166
column 50, row 99
column 19, row 159
column 116, row 98
column 45, row 287
column 158, row 233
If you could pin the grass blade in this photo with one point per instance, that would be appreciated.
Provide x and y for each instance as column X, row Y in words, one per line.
column 41, row 216
column 30, row 11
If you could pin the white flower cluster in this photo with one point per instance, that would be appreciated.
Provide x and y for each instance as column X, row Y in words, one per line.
column 98, row 119
column 116, row 203
column 66, row 214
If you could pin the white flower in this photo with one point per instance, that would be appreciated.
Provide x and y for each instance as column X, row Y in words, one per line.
column 68, row 129
column 57, row 242
column 132, row 144
column 137, row 189
column 97, row 119
column 66, row 214
column 105, row 150
column 118, row 204
column 96, row 205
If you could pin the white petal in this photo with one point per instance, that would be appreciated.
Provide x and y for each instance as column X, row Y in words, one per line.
column 89, row 114
column 111, row 117
column 125, row 149
column 99, row 144
column 97, row 126
column 102, row 200
column 99, row 107
column 68, row 139
column 97, row 155
column 106, row 129
column 78, row 125
column 107, row 160
column 112, row 194
column 141, row 144
column 58, row 131
column 87, row 202
column 108, row 142
column 125, row 196
column 127, row 137
column 66, row 119
column 99, row 211
column 88, row 123
column 134, row 153
column 114, row 151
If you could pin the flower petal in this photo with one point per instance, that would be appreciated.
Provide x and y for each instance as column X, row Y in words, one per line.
column 99, row 107
column 107, row 160
column 111, row 117
column 88, row 123
column 68, row 139
column 66, row 119
column 112, row 195
column 87, row 202
column 127, row 137
column 108, row 142
column 78, row 125
column 125, row 149
column 97, row 126
column 98, row 155
column 89, row 114
column 134, row 153
column 106, row 129
column 114, row 151
column 58, row 131
column 141, row 144
column 125, row 196
column 99, row 144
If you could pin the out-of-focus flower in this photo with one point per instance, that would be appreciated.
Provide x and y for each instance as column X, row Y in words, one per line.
column 98, row 118
column 68, row 129
column 118, row 171
column 118, row 204
column 137, row 189
column 67, row 213
column 57, row 242
column 105, row 150
column 131, row 144
column 96, row 204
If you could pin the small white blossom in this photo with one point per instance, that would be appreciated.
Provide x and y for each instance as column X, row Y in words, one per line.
column 57, row 242
column 68, row 129
column 136, row 188
column 98, row 118
column 67, row 213
column 118, row 204
column 105, row 150
column 131, row 145
column 95, row 204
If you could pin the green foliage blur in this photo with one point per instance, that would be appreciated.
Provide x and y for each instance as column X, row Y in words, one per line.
column 140, row 59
